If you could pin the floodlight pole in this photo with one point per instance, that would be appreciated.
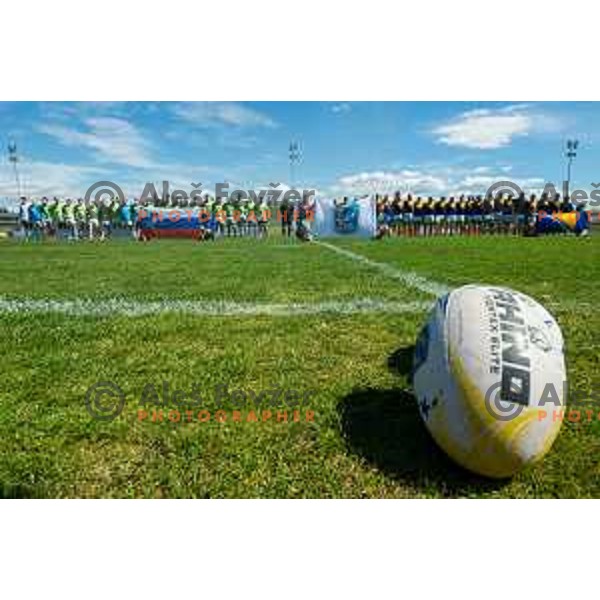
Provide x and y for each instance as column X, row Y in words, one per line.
column 14, row 159
column 295, row 155
column 571, row 154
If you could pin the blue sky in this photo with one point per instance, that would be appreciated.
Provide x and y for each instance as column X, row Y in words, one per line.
column 347, row 147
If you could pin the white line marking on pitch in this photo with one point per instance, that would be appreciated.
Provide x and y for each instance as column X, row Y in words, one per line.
column 123, row 307
column 410, row 278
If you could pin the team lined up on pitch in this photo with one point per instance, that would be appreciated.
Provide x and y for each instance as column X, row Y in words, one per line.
column 473, row 215
column 208, row 218
column 203, row 219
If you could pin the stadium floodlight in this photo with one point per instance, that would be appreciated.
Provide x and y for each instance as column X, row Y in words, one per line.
column 14, row 159
column 295, row 156
column 571, row 154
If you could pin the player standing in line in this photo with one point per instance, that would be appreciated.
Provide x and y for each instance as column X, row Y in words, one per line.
column 498, row 213
column 115, row 213
column 69, row 218
column 408, row 209
column 469, row 216
column 263, row 219
column 45, row 216
column 451, row 215
column 134, row 208
column 507, row 214
column 241, row 217
column 397, row 213
column 488, row 214
column 530, row 208
column 208, row 215
column 422, row 207
column 251, row 217
column 205, row 211
column 52, row 217
column 286, row 214
column 389, row 217
column 125, row 216
column 54, row 211
column 461, row 214
column 417, row 216
column 455, row 216
column 478, row 215
column 520, row 206
column 105, row 219
column 403, row 220
column 439, row 216
column 229, row 208
column 24, row 217
column 388, row 212
column 81, row 217
column 61, row 218
column 468, row 221
column 303, row 218
column 429, row 216
column 219, row 216
column 93, row 221
column 35, row 221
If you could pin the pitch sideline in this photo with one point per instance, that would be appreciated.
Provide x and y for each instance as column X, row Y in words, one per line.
column 410, row 278
column 110, row 307
column 429, row 286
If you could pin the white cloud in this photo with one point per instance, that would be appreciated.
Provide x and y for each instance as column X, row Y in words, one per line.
column 383, row 182
column 478, row 184
column 210, row 114
column 487, row 129
column 491, row 169
column 40, row 178
column 114, row 140
column 281, row 188
column 424, row 181
column 341, row 108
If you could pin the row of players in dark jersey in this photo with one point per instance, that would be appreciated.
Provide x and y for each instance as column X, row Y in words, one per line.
column 502, row 213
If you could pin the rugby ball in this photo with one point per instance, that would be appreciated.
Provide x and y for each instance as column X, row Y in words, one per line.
column 489, row 377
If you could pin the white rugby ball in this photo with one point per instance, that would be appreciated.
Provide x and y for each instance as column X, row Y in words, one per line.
column 490, row 378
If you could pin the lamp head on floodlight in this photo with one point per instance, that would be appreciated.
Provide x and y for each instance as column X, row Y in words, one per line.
column 12, row 151
column 572, row 146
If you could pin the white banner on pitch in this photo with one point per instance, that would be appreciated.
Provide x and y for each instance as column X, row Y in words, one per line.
column 353, row 217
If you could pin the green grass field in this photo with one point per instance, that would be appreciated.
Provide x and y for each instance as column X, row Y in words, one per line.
column 366, row 440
